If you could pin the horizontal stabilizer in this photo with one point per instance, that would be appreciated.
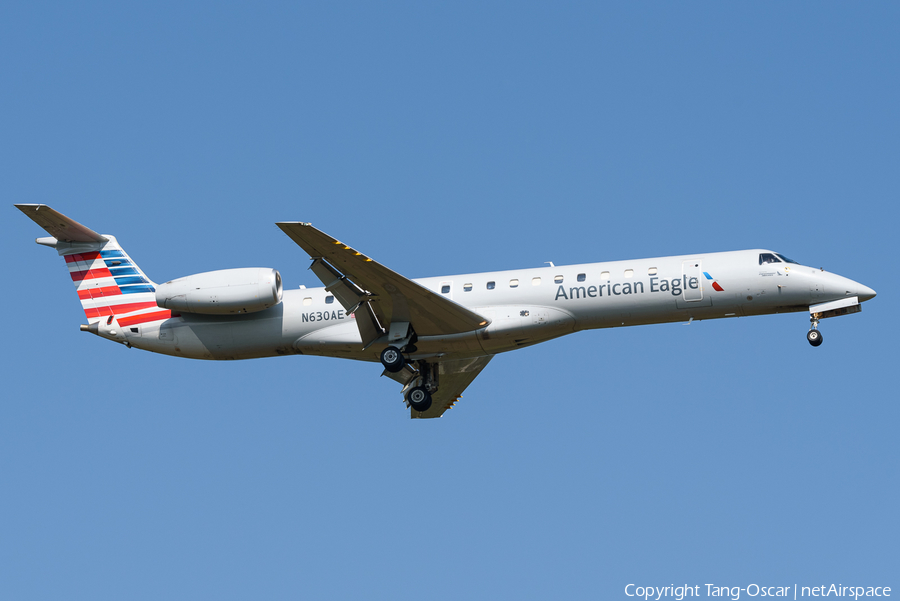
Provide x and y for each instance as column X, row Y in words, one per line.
column 59, row 226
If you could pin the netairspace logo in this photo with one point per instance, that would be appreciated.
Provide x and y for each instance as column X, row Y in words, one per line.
column 678, row 593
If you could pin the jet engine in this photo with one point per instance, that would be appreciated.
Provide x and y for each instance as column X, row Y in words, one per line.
column 224, row 292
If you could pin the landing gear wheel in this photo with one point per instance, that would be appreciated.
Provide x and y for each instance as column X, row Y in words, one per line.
column 419, row 398
column 814, row 337
column 392, row 359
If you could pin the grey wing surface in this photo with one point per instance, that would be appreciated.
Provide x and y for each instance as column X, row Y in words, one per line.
column 455, row 377
column 58, row 225
column 356, row 281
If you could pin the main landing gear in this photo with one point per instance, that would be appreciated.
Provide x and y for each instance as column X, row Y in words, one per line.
column 392, row 359
column 418, row 398
column 814, row 335
column 421, row 385
column 419, row 389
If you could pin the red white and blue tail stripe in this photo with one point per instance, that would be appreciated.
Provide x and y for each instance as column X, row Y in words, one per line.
column 110, row 285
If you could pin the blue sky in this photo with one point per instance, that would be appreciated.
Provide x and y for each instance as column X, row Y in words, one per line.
column 445, row 139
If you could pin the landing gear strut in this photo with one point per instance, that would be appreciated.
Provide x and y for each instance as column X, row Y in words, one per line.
column 814, row 335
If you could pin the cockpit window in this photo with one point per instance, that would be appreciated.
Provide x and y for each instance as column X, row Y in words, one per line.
column 785, row 259
column 765, row 258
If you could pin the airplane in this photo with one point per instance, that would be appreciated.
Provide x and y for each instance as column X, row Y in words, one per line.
column 431, row 335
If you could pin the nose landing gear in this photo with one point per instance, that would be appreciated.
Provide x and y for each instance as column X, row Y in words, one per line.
column 814, row 335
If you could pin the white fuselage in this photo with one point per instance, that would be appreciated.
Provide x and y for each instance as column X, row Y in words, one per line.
column 524, row 306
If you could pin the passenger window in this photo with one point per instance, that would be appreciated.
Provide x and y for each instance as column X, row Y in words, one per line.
column 604, row 275
column 490, row 285
column 535, row 281
column 766, row 258
column 467, row 287
column 629, row 273
column 445, row 289
column 651, row 271
column 558, row 279
column 514, row 283
column 329, row 300
column 580, row 277
column 307, row 301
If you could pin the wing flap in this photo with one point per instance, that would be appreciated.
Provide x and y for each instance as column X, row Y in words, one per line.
column 369, row 328
column 347, row 293
column 393, row 297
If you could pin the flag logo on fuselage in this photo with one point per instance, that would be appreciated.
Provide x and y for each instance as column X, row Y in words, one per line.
column 715, row 284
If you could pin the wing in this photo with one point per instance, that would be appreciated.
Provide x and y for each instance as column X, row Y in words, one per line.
column 455, row 376
column 371, row 290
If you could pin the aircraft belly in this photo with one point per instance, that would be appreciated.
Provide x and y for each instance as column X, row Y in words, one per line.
column 516, row 326
column 691, row 305
column 618, row 311
column 641, row 309
column 159, row 337
column 179, row 339
column 246, row 336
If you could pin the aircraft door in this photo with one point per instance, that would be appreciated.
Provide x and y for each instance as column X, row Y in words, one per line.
column 692, row 280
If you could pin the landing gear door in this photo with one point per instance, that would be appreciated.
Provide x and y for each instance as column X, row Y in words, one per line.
column 692, row 280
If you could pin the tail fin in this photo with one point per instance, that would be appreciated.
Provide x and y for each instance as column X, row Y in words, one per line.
column 109, row 284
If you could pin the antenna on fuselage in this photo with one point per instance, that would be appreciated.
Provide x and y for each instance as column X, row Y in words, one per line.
column 550, row 263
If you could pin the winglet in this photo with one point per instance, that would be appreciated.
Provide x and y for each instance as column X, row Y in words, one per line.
column 59, row 226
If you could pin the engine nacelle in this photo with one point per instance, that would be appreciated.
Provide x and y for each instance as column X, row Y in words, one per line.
column 224, row 292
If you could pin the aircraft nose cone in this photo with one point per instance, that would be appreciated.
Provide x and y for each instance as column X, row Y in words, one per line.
column 865, row 293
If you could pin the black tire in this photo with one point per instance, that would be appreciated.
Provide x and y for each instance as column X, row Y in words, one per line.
column 814, row 337
column 419, row 398
column 392, row 359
